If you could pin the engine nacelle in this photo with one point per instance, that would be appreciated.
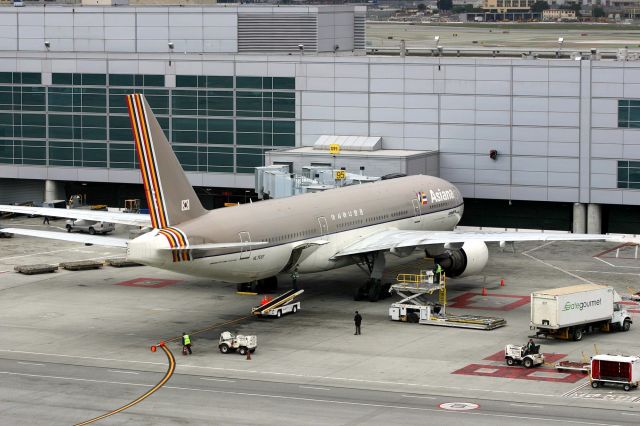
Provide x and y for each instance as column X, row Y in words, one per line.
column 470, row 259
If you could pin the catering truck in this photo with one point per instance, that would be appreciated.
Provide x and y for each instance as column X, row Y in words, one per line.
column 570, row 312
column 616, row 370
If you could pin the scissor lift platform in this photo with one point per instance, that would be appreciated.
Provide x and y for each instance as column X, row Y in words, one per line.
column 416, row 307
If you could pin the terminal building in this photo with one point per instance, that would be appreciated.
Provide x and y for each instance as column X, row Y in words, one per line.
column 546, row 143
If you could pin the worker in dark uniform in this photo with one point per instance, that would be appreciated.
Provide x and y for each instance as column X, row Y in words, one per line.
column 357, row 320
column 186, row 344
column 531, row 347
column 294, row 278
column 45, row 220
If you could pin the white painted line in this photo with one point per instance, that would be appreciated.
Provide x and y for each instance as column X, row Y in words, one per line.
column 526, row 405
column 526, row 253
column 33, row 254
column 123, row 372
column 607, row 272
column 326, row 401
column 217, row 380
column 629, row 414
column 604, row 261
column 274, row 373
column 418, row 396
column 28, row 363
column 576, row 389
column 314, row 387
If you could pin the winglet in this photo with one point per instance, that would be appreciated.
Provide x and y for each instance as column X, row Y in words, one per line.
column 170, row 196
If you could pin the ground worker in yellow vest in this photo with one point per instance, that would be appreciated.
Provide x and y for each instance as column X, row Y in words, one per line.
column 437, row 272
column 186, row 344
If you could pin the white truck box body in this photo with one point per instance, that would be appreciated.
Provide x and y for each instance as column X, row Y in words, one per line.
column 567, row 306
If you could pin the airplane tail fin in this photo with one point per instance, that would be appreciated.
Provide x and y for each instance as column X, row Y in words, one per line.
column 170, row 196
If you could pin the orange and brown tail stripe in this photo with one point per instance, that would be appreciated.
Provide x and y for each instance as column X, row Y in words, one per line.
column 178, row 240
column 146, row 157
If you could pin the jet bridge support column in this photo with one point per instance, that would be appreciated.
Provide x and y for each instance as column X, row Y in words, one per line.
column 594, row 219
column 579, row 218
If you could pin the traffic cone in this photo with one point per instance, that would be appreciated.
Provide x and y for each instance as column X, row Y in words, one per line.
column 502, row 282
column 484, row 291
column 248, row 355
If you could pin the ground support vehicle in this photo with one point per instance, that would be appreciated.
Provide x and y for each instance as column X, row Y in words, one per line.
column 231, row 342
column 90, row 226
column 280, row 305
column 615, row 369
column 570, row 312
column 420, row 304
column 515, row 354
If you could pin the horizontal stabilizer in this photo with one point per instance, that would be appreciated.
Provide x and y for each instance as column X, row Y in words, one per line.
column 96, row 215
column 98, row 240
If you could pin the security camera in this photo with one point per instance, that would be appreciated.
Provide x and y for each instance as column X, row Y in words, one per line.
column 47, row 44
column 436, row 38
column 336, row 47
column 560, row 40
column 301, row 46
column 170, row 44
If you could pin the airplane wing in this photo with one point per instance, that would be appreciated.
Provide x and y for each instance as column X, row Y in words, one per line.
column 97, row 240
column 395, row 239
column 95, row 215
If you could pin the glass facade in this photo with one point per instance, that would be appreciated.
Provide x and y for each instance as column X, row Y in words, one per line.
column 215, row 123
column 629, row 113
column 629, row 174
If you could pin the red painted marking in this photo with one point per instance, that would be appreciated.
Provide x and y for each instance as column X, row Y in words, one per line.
column 499, row 356
column 148, row 282
column 629, row 302
column 619, row 246
column 465, row 301
column 519, row 373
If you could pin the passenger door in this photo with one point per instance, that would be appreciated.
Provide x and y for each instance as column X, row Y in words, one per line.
column 416, row 210
column 245, row 252
column 324, row 227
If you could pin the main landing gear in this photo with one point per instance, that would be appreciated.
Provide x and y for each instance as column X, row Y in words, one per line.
column 373, row 289
column 267, row 285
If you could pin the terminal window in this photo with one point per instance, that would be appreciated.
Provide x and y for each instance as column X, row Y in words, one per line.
column 629, row 174
column 215, row 123
column 629, row 113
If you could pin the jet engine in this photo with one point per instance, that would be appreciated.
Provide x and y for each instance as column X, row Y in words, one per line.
column 470, row 259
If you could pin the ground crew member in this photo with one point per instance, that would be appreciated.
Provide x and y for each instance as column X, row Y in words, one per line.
column 437, row 271
column 45, row 220
column 294, row 278
column 531, row 347
column 186, row 344
column 357, row 320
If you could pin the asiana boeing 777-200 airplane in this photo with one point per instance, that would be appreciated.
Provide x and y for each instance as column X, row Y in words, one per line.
column 309, row 233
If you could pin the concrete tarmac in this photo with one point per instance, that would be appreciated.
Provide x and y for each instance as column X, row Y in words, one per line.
column 76, row 344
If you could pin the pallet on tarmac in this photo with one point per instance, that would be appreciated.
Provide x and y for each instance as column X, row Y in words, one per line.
column 81, row 265
column 121, row 262
column 40, row 268
column 466, row 321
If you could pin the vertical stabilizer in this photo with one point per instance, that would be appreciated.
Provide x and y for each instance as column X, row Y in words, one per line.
column 170, row 196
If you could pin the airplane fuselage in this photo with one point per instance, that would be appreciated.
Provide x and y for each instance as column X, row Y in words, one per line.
column 305, row 231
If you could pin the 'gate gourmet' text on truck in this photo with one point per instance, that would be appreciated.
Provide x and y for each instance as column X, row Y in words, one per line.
column 569, row 312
